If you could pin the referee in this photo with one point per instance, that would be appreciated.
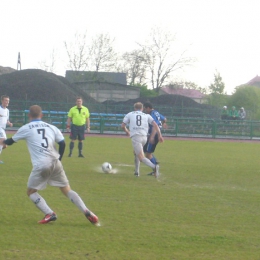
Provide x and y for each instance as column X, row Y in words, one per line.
column 78, row 117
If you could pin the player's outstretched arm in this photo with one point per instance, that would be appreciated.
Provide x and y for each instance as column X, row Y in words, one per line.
column 8, row 141
column 62, row 146
column 68, row 124
column 157, row 130
column 164, row 123
column 123, row 126
column 9, row 123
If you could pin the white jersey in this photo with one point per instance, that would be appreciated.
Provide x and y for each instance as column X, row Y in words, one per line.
column 138, row 123
column 2, row 136
column 4, row 117
column 41, row 138
column 2, row 133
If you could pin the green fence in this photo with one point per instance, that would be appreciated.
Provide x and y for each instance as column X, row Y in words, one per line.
column 107, row 123
column 190, row 127
column 100, row 122
column 123, row 108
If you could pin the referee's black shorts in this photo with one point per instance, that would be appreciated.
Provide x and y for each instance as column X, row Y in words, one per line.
column 77, row 132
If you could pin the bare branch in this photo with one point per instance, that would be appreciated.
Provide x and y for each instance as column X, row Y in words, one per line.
column 78, row 52
column 160, row 59
column 134, row 66
column 103, row 56
column 49, row 65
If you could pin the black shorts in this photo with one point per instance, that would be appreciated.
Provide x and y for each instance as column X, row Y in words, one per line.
column 77, row 132
column 150, row 148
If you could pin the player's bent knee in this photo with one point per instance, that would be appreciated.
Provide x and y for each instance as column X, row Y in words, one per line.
column 30, row 191
column 65, row 189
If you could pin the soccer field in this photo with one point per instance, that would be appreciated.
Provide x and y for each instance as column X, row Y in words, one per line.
column 204, row 206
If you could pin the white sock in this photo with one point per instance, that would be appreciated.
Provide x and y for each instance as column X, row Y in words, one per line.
column 75, row 198
column 148, row 163
column 137, row 164
column 40, row 203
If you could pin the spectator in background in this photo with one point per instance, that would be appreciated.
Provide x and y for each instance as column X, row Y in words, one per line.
column 224, row 113
column 242, row 113
column 234, row 113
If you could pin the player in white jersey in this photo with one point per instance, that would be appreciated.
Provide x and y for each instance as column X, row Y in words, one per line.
column 2, row 136
column 138, row 123
column 4, row 117
column 46, row 160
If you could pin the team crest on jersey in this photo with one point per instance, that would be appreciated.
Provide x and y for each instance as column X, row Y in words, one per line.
column 84, row 113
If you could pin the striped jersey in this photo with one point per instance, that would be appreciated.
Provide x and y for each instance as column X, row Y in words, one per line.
column 158, row 118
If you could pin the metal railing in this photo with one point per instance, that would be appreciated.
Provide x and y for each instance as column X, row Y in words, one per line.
column 122, row 108
column 212, row 128
column 104, row 123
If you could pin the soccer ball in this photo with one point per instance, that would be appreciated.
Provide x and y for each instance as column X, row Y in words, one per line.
column 106, row 167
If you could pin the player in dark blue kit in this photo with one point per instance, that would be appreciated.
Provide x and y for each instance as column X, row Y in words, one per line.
column 160, row 120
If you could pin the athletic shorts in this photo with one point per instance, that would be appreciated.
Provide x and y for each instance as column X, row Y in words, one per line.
column 150, row 148
column 77, row 132
column 138, row 141
column 2, row 135
column 51, row 173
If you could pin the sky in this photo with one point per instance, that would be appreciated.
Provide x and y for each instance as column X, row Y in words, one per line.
column 223, row 35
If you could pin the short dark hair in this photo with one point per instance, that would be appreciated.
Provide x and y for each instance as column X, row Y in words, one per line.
column 148, row 104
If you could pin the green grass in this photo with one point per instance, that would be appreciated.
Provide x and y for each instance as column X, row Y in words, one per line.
column 205, row 205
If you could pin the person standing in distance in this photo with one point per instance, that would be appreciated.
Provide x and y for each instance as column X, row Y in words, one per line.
column 41, row 138
column 160, row 120
column 242, row 113
column 138, row 129
column 4, row 118
column 78, row 118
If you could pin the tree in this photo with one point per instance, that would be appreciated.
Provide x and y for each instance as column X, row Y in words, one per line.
column 217, row 96
column 78, row 52
column 50, row 64
column 218, row 86
column 186, row 85
column 145, row 92
column 161, row 61
column 249, row 98
column 134, row 66
column 102, row 54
